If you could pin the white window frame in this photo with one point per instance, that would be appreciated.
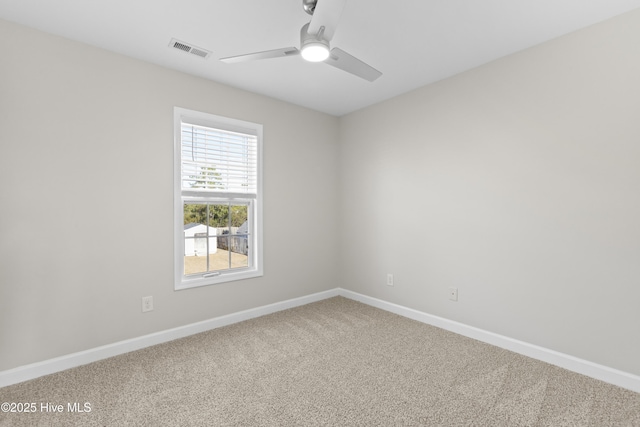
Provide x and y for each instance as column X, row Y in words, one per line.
column 255, row 268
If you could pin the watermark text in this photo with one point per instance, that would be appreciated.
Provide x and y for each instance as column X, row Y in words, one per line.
column 45, row 407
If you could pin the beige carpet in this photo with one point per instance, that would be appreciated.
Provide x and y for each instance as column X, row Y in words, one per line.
column 332, row 363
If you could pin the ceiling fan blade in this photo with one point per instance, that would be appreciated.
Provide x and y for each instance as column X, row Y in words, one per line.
column 326, row 14
column 275, row 53
column 342, row 60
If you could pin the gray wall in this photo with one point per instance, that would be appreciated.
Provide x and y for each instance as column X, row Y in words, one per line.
column 518, row 183
column 86, row 164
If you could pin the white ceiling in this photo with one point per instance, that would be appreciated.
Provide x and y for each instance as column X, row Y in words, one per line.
column 413, row 42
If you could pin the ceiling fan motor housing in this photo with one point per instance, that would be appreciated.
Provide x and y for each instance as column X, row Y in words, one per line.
column 309, row 6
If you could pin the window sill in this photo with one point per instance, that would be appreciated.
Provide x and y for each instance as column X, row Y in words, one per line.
column 196, row 282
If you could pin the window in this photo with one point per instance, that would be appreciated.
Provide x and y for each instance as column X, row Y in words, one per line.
column 218, row 199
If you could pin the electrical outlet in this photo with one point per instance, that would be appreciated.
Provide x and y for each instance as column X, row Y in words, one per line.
column 147, row 304
column 389, row 279
column 453, row 294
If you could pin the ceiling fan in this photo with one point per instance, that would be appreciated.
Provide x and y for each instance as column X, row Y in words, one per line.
column 315, row 37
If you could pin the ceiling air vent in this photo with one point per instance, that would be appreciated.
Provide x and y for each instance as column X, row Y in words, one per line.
column 189, row 48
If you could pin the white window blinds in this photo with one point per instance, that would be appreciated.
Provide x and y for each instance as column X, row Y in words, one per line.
column 218, row 161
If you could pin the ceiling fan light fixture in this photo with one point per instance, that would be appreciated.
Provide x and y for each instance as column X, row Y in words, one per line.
column 313, row 47
column 315, row 51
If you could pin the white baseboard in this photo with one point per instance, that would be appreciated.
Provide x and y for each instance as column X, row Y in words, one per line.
column 571, row 363
column 593, row 370
column 46, row 367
